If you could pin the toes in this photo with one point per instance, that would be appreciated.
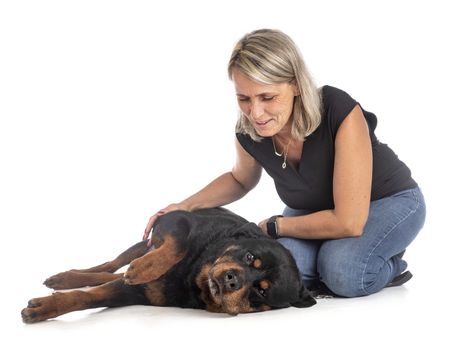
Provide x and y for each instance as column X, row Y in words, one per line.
column 56, row 281
column 31, row 316
column 27, row 315
column 33, row 303
column 63, row 280
column 131, row 276
column 39, row 309
column 50, row 282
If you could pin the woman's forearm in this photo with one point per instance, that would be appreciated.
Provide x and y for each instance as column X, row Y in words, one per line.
column 223, row 190
column 323, row 224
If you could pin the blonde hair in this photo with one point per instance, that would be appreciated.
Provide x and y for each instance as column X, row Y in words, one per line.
column 269, row 56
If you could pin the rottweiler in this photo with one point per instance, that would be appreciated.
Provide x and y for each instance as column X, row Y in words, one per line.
column 208, row 259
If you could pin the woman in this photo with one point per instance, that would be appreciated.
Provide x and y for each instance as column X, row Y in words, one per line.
column 352, row 205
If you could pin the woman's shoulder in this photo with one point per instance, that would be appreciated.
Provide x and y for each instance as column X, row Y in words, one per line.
column 243, row 138
column 336, row 104
column 248, row 143
column 331, row 94
column 336, row 101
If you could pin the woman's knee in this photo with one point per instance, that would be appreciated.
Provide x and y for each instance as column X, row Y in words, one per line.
column 349, row 273
column 304, row 253
column 341, row 271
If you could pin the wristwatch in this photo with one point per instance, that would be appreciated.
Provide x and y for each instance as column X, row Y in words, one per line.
column 272, row 226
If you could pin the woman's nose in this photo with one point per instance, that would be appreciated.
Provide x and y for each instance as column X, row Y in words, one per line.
column 256, row 110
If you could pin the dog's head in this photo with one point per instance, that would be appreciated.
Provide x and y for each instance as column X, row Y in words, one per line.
column 252, row 275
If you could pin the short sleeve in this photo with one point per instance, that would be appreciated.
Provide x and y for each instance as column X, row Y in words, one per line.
column 337, row 105
column 246, row 142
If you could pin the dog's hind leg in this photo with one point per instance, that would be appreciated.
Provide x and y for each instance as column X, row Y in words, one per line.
column 111, row 294
column 170, row 238
column 156, row 263
column 99, row 274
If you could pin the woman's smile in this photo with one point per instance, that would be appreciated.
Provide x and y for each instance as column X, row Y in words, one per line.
column 267, row 106
column 262, row 124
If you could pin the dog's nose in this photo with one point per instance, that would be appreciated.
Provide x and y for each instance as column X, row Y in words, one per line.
column 232, row 281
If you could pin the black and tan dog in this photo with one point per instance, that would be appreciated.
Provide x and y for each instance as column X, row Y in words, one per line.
column 208, row 259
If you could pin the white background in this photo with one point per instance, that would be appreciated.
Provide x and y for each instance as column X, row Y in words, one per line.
column 111, row 110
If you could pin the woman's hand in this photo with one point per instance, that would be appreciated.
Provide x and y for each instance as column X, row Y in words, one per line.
column 263, row 226
column 152, row 220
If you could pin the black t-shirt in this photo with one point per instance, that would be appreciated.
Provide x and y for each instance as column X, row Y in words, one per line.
column 310, row 186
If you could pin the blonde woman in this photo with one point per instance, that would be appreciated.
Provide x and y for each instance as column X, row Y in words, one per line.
column 352, row 206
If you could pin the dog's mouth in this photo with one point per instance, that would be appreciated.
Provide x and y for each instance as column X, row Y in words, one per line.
column 215, row 288
column 225, row 287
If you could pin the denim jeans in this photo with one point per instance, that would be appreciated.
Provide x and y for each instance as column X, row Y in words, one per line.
column 362, row 265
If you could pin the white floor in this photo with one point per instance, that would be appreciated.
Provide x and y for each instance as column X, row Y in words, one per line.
column 430, row 310
column 421, row 313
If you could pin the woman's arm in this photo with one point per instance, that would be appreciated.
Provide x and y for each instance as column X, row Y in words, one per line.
column 352, row 179
column 230, row 186
column 225, row 189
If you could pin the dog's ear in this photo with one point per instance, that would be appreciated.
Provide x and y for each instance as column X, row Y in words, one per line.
column 248, row 230
column 305, row 299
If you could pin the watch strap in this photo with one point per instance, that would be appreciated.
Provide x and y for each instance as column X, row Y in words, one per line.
column 272, row 226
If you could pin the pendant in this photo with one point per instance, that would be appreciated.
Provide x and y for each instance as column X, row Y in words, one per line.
column 284, row 165
column 274, row 148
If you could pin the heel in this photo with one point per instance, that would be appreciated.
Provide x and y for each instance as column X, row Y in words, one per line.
column 400, row 279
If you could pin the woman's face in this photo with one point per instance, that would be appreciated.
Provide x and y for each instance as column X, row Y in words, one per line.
column 267, row 107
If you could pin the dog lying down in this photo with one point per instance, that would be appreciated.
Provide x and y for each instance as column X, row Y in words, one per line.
column 208, row 259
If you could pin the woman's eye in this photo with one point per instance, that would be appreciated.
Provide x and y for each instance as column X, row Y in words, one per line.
column 264, row 98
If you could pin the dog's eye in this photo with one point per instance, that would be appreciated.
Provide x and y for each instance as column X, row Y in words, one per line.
column 249, row 258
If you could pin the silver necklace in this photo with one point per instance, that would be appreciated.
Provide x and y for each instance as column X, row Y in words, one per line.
column 285, row 152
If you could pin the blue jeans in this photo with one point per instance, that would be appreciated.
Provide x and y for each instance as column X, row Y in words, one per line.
column 363, row 265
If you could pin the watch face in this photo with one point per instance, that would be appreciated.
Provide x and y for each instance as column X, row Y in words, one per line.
column 271, row 227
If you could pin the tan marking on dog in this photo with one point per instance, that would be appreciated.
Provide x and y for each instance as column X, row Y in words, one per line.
column 231, row 303
column 234, row 302
column 223, row 257
column 154, row 291
column 257, row 263
column 264, row 308
column 59, row 303
column 76, row 279
column 202, row 282
column 154, row 264
column 232, row 247
column 220, row 268
column 264, row 284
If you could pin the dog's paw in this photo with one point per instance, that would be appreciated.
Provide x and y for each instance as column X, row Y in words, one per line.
column 64, row 280
column 137, row 273
column 39, row 309
column 131, row 276
column 58, row 281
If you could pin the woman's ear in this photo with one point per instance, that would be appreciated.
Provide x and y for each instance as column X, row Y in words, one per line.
column 295, row 87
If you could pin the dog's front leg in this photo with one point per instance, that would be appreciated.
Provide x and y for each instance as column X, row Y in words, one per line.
column 111, row 294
